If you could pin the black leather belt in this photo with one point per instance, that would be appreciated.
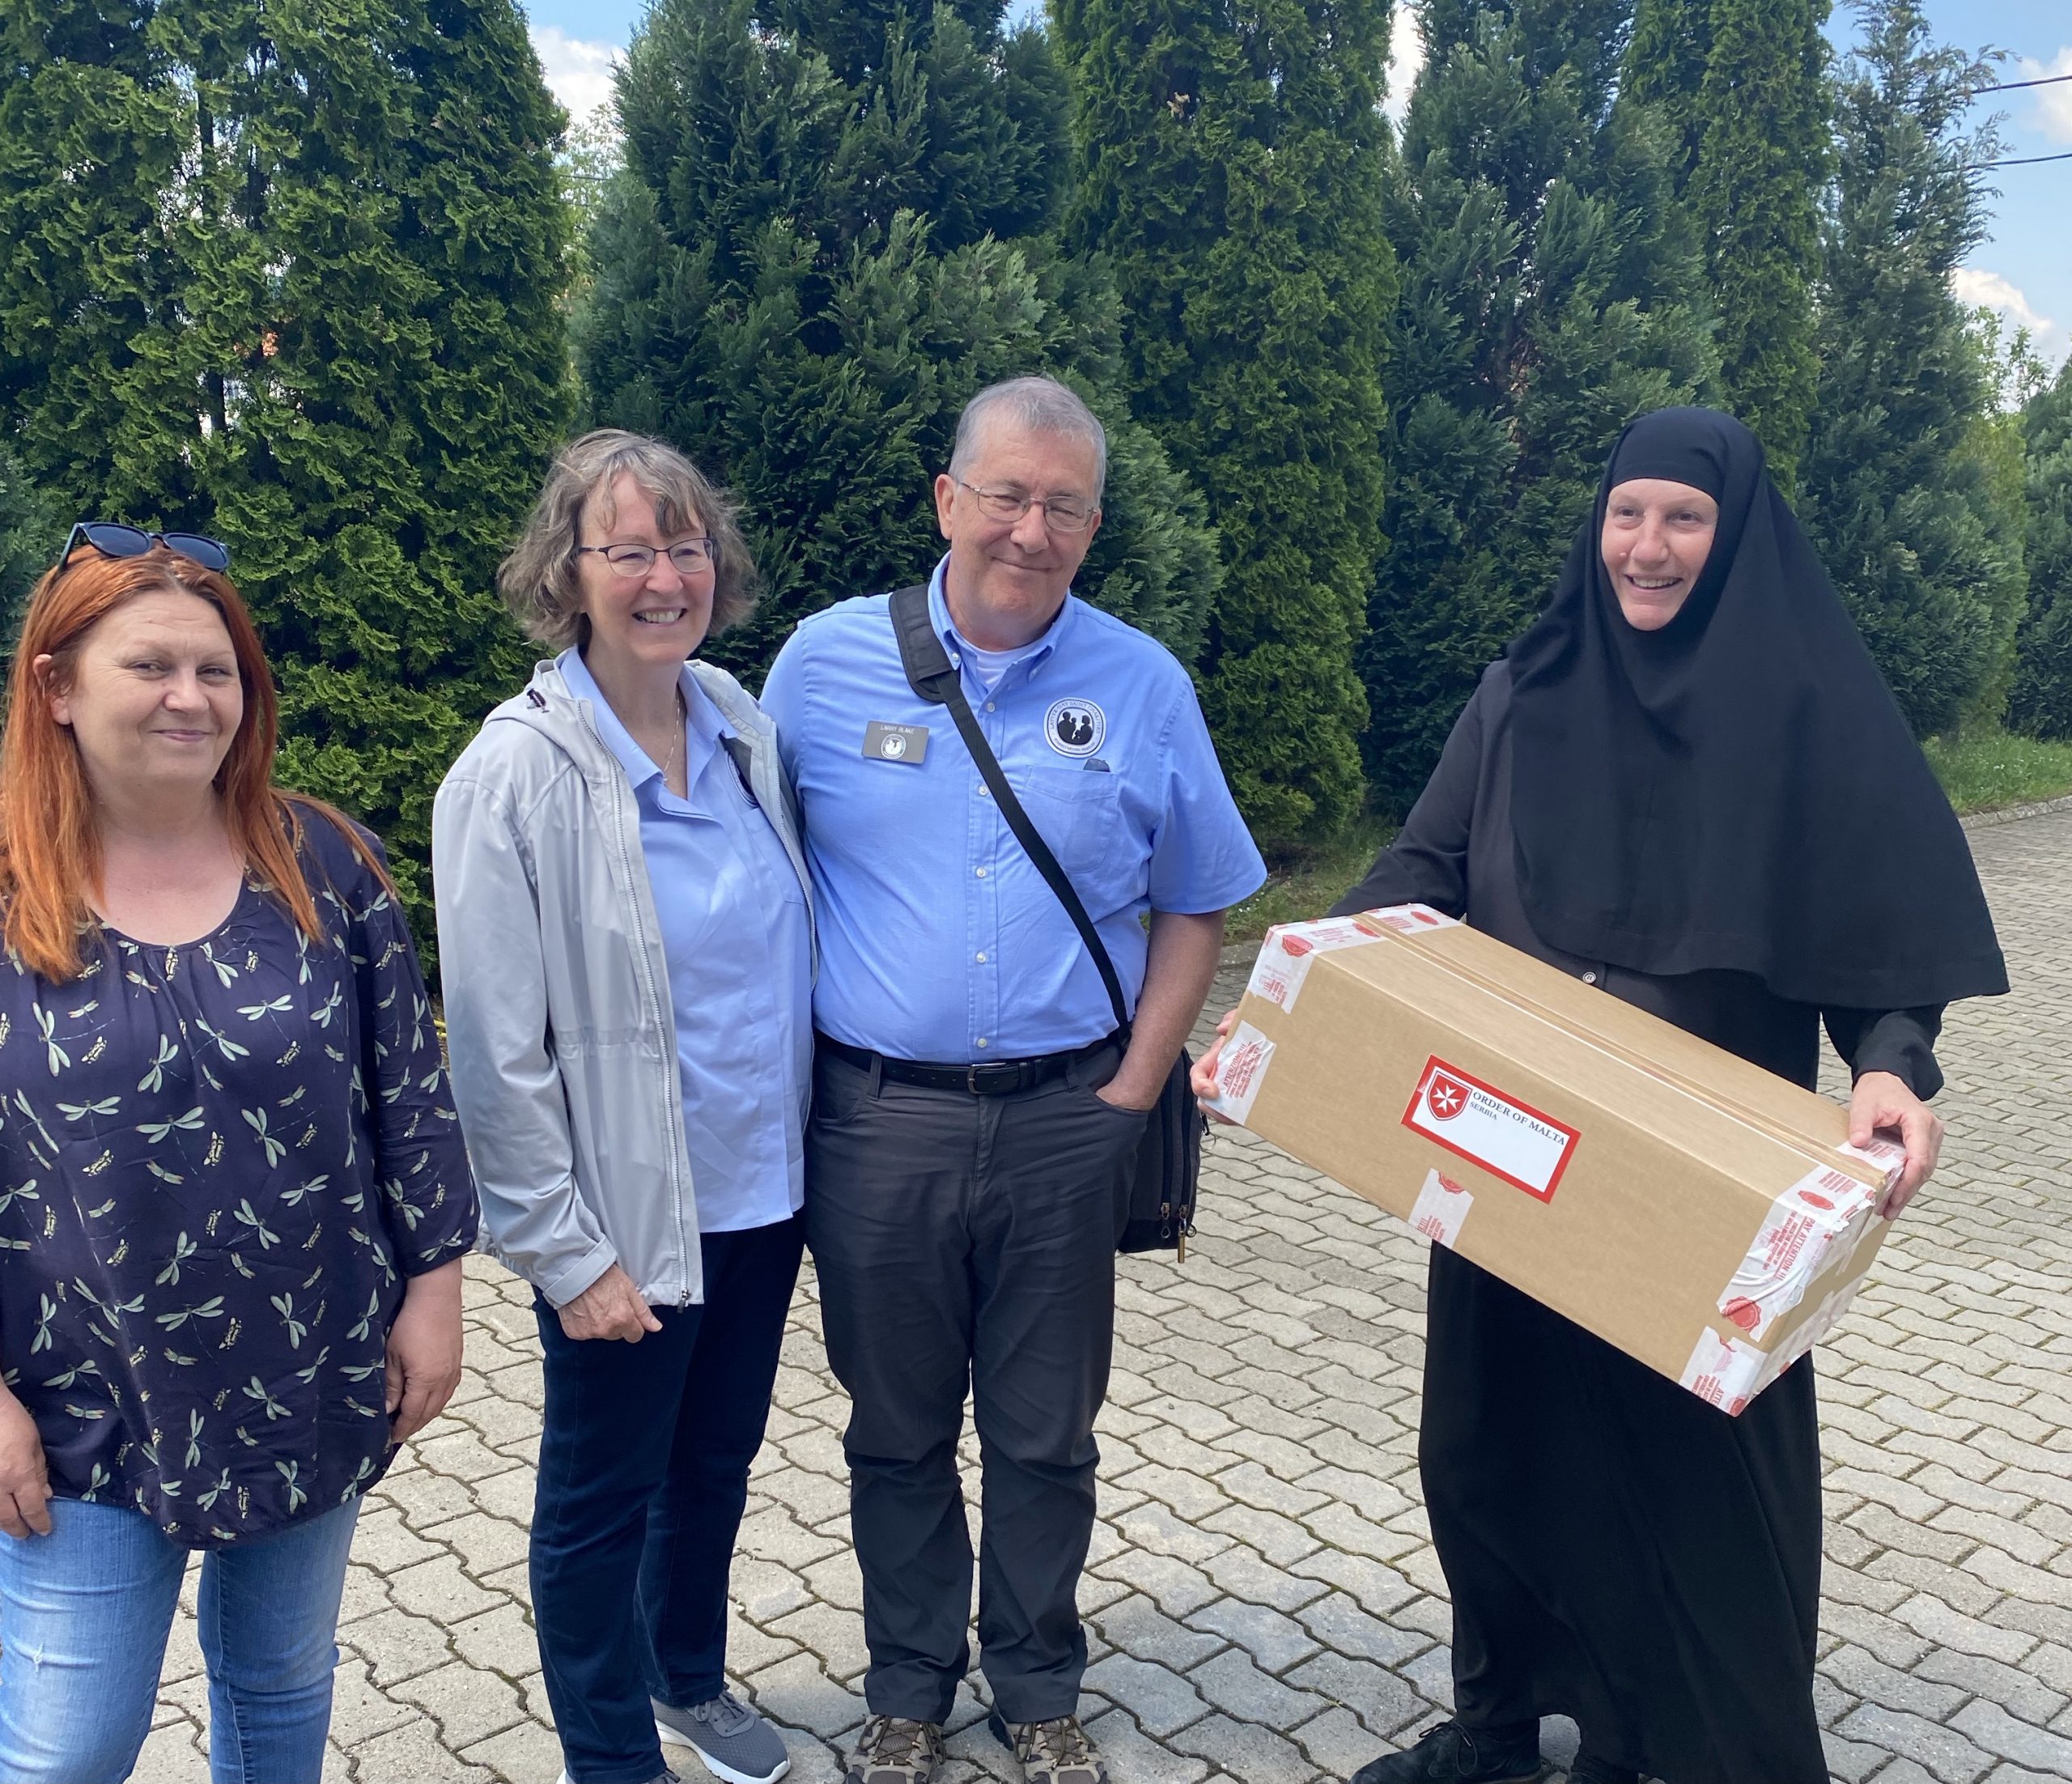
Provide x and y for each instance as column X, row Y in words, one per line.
column 994, row 1078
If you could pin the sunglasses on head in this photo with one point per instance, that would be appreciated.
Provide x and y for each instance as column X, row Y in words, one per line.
column 113, row 539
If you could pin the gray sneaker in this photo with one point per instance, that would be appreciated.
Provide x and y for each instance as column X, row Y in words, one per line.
column 733, row 1740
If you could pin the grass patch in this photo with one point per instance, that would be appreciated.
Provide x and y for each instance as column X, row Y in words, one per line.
column 1297, row 894
column 1986, row 768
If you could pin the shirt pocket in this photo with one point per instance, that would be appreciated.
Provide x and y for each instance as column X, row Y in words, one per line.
column 1081, row 814
column 773, row 861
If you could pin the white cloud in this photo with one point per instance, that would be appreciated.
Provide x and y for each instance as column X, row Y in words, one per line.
column 578, row 71
column 1406, row 58
column 1976, row 285
column 2053, row 104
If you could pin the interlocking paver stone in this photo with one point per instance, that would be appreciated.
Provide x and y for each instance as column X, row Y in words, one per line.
column 1264, row 1605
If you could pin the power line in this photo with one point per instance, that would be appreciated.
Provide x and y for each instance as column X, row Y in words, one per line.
column 2013, row 85
column 2025, row 160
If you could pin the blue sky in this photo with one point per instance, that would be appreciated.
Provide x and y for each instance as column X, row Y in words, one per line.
column 2025, row 270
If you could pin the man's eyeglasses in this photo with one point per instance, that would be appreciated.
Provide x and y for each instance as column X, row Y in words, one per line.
column 1061, row 513
column 689, row 556
column 113, row 539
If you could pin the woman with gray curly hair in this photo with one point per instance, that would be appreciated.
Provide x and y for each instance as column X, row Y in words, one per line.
column 626, row 942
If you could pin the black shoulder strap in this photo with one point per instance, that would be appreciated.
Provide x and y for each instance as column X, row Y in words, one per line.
column 930, row 676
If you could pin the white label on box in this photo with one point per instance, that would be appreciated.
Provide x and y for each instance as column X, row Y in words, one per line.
column 1440, row 1207
column 1239, row 1071
column 1409, row 919
column 1283, row 961
column 1480, row 1123
column 1823, row 1208
column 1723, row 1371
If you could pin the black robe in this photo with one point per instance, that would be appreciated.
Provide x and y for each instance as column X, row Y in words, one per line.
column 1618, row 1550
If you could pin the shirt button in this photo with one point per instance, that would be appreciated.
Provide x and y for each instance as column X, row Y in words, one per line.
column 981, row 958
column 981, row 873
column 1589, row 979
column 989, row 706
column 984, row 791
column 982, row 1040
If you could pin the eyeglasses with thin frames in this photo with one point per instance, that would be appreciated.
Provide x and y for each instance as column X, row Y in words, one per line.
column 1061, row 513
column 689, row 556
column 118, row 539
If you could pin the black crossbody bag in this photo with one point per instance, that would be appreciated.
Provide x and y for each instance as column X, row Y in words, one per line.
column 1169, row 1157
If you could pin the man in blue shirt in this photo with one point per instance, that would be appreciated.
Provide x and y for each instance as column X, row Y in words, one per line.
column 976, row 1119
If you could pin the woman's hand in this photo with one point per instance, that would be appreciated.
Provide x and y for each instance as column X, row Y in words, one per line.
column 24, row 1480
column 1882, row 1100
column 1202, row 1080
column 610, row 1308
column 424, row 1351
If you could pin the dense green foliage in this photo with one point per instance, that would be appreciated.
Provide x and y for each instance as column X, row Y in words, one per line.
column 2041, row 701
column 1907, row 512
column 1551, row 292
column 307, row 276
column 829, row 232
column 1229, row 169
column 1744, row 84
column 30, row 535
column 275, row 273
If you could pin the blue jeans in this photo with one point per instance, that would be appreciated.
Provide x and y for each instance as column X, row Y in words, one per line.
column 84, row 1614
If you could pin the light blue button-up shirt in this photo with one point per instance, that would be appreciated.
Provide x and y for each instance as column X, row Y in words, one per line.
column 938, row 938
column 740, row 951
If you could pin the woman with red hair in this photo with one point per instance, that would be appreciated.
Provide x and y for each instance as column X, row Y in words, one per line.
column 233, row 1195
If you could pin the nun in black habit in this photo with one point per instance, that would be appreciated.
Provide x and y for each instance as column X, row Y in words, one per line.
column 1688, row 784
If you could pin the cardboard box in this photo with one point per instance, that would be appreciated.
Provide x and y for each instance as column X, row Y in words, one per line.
column 1702, row 1214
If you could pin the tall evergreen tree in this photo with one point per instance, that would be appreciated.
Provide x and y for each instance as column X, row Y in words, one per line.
column 1743, row 86
column 1551, row 293
column 1230, row 166
column 2041, row 702
column 1907, row 514
column 275, row 273
column 30, row 535
column 830, row 231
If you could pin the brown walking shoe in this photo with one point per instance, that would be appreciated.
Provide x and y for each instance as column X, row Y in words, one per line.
column 1052, row 1752
column 892, row 1750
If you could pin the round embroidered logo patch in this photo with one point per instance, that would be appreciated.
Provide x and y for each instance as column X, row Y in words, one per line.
column 1075, row 727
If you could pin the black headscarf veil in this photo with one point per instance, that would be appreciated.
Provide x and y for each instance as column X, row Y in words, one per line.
column 1737, row 790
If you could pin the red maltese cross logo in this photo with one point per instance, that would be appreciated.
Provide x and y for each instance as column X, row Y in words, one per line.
column 1446, row 1097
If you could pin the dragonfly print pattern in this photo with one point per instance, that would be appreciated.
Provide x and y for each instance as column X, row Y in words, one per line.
column 220, row 1163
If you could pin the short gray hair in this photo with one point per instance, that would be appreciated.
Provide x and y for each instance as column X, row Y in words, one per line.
column 1041, row 405
column 539, row 580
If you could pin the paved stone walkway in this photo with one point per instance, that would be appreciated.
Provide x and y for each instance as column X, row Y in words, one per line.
column 1264, row 1605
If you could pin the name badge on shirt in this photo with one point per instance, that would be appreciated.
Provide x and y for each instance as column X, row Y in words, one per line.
column 884, row 742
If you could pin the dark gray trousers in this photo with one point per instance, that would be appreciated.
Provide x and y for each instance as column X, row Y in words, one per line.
column 968, row 1240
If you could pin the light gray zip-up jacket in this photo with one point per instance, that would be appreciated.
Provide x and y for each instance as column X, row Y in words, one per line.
column 558, row 1013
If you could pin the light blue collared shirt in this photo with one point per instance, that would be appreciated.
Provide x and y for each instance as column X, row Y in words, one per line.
column 739, row 947
column 938, row 938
